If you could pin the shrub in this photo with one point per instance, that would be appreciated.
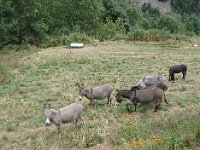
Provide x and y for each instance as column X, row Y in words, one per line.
column 163, row 0
column 186, row 6
column 148, row 35
column 136, row 18
column 78, row 37
column 110, row 29
column 169, row 23
column 151, row 14
column 65, row 39
column 137, row 35
column 158, row 35
column 192, row 25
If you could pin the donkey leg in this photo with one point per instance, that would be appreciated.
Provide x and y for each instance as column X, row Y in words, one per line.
column 109, row 99
column 172, row 76
column 157, row 106
column 91, row 102
column 165, row 99
column 134, row 101
column 169, row 77
column 76, row 122
column 184, row 75
column 81, row 118
column 58, row 126
column 135, row 106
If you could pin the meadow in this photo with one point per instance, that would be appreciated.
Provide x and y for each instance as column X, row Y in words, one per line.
column 34, row 77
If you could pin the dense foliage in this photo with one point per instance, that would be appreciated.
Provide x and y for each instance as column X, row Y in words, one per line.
column 51, row 23
column 186, row 6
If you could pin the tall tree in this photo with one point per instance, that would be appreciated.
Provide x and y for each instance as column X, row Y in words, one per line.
column 8, row 24
column 83, row 13
column 186, row 6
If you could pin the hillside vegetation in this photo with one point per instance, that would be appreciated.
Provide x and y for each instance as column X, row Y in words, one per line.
column 55, row 23
column 164, row 6
column 32, row 78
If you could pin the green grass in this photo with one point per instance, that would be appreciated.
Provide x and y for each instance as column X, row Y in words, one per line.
column 42, row 76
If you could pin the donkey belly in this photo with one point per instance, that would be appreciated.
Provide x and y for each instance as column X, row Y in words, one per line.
column 67, row 118
column 146, row 99
column 101, row 96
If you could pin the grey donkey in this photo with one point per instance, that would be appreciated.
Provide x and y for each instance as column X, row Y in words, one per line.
column 99, row 93
column 152, row 80
column 144, row 96
column 67, row 114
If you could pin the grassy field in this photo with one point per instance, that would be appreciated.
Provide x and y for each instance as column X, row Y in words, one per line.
column 31, row 78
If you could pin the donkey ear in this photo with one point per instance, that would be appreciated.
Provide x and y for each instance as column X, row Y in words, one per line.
column 134, row 88
column 45, row 106
column 77, row 84
column 82, row 85
column 49, row 105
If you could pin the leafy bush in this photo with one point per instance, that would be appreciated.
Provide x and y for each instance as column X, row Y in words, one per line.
column 186, row 6
column 136, row 18
column 169, row 23
column 137, row 35
column 8, row 24
column 158, row 35
column 148, row 35
column 192, row 24
column 65, row 39
column 110, row 29
column 151, row 14
column 163, row 0
column 113, row 10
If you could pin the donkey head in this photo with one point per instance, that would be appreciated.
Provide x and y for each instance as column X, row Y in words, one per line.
column 47, row 114
column 133, row 88
column 87, row 92
column 80, row 89
column 118, row 96
column 162, row 86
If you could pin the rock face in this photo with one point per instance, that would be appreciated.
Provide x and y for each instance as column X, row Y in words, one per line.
column 162, row 6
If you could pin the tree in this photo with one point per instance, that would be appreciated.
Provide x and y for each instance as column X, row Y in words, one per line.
column 186, row 6
column 193, row 24
column 170, row 23
column 83, row 13
column 9, row 27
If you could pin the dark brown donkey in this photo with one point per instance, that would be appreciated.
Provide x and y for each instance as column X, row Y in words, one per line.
column 177, row 69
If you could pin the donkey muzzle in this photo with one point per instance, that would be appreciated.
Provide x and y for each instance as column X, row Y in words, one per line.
column 80, row 98
column 47, row 122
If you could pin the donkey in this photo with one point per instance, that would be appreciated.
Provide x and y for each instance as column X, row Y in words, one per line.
column 92, row 93
column 144, row 96
column 67, row 114
column 177, row 69
column 152, row 80
column 160, row 85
